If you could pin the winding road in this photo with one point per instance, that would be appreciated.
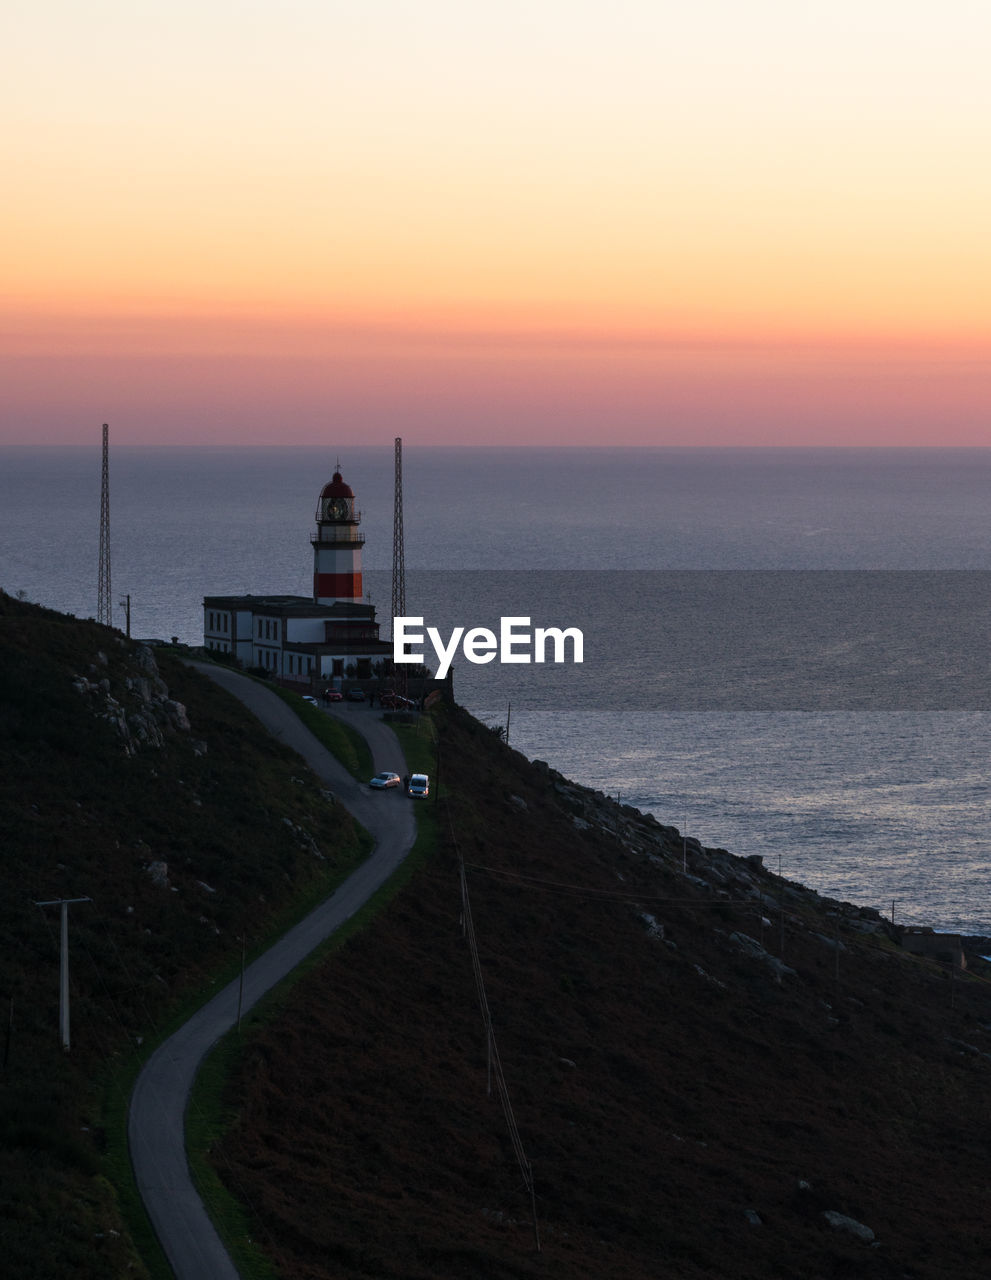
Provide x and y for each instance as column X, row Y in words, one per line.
column 158, row 1103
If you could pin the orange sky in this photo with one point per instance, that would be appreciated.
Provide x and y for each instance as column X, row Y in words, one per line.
column 569, row 222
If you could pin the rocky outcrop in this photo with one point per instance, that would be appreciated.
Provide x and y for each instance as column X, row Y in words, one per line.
column 840, row 1222
column 138, row 704
column 715, row 876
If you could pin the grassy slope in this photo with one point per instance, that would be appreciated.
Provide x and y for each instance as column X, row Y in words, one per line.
column 344, row 742
column 249, row 842
column 662, row 1087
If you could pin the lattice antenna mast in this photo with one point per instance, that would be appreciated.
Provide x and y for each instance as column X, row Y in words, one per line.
column 103, row 605
column 398, row 549
column 398, row 559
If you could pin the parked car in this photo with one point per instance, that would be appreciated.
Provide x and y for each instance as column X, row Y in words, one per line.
column 385, row 780
column 419, row 785
column 310, row 699
column 333, row 695
column 356, row 695
column 396, row 702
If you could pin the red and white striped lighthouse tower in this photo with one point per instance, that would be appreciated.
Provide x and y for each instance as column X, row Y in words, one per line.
column 337, row 544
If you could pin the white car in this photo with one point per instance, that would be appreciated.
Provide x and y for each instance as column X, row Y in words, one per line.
column 419, row 785
column 310, row 699
column 385, row 780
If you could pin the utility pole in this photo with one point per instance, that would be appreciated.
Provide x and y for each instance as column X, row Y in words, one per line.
column 240, row 988
column 10, row 1031
column 398, row 562
column 125, row 604
column 103, row 583
column 63, row 1004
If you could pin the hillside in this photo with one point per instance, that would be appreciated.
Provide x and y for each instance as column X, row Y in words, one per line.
column 703, row 1061
column 128, row 779
column 703, row 1064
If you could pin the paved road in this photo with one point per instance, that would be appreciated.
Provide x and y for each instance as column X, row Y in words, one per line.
column 158, row 1103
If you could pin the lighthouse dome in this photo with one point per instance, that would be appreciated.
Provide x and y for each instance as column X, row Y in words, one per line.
column 336, row 488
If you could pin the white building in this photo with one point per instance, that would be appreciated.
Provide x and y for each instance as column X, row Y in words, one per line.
column 305, row 640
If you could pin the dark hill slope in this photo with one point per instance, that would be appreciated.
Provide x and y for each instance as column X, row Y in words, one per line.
column 690, row 1108
column 136, row 783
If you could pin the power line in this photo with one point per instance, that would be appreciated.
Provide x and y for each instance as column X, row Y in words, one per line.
column 607, row 895
column 492, row 1049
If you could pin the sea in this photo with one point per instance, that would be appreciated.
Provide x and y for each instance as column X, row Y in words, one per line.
column 786, row 651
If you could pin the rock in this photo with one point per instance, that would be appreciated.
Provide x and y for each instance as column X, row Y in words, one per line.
column 518, row 802
column 961, row 1046
column 159, row 872
column 751, row 947
column 840, row 1222
column 177, row 715
column 753, row 1217
column 835, row 943
column 708, row 977
column 145, row 730
column 869, row 926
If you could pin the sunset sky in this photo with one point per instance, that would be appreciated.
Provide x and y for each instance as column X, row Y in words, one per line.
column 531, row 221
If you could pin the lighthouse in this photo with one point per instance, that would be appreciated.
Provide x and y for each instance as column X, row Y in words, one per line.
column 308, row 642
column 337, row 544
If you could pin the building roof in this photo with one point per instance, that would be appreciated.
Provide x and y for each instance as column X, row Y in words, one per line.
column 291, row 606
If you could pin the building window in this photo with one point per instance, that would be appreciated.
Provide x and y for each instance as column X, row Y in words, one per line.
column 259, row 628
